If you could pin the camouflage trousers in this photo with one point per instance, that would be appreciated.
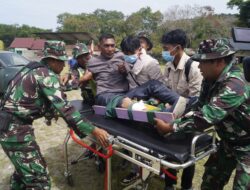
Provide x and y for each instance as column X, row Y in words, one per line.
column 220, row 166
column 30, row 166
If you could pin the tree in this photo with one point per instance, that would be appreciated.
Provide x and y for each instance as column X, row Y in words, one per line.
column 9, row 32
column 110, row 21
column 115, row 22
column 143, row 20
column 199, row 22
column 244, row 13
column 61, row 19
column 100, row 21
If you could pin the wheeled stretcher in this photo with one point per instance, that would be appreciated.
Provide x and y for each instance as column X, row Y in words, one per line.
column 147, row 149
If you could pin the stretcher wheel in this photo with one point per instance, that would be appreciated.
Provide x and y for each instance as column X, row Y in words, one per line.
column 100, row 164
column 70, row 180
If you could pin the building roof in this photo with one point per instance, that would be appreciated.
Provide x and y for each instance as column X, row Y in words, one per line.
column 240, row 46
column 241, row 34
column 69, row 37
column 241, row 41
column 29, row 43
column 38, row 44
column 22, row 43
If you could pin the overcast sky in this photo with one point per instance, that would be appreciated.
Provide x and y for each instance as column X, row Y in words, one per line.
column 43, row 13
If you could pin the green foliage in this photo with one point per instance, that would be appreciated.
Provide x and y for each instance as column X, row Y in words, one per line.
column 143, row 20
column 9, row 32
column 1, row 45
column 244, row 15
column 233, row 3
column 212, row 26
column 198, row 22
column 100, row 21
column 114, row 22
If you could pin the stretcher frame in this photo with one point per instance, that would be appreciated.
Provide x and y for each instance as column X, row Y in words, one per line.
column 136, row 115
column 151, row 163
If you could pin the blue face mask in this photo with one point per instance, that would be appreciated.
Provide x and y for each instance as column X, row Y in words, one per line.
column 167, row 57
column 130, row 58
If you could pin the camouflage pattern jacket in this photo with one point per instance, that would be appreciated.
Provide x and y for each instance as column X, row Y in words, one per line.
column 224, row 104
column 89, row 90
column 34, row 95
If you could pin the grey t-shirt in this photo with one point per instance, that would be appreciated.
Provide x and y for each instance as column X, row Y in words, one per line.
column 106, row 74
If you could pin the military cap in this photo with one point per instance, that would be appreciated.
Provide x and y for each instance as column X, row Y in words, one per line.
column 213, row 49
column 145, row 36
column 55, row 49
column 80, row 49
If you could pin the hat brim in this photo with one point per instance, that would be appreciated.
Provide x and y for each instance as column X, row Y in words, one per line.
column 150, row 45
column 61, row 58
column 81, row 54
column 210, row 56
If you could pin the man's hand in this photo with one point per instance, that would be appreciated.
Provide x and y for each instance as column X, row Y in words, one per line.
column 101, row 135
column 122, row 69
column 64, row 79
column 163, row 127
column 85, row 78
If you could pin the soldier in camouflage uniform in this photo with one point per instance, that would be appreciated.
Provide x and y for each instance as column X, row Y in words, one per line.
column 223, row 103
column 82, row 55
column 34, row 92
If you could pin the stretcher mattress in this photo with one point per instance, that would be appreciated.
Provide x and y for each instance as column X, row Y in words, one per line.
column 176, row 147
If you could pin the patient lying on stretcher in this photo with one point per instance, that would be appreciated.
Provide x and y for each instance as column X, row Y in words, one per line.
column 171, row 101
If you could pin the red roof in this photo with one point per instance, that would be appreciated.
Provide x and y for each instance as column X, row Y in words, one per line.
column 22, row 43
column 38, row 44
column 29, row 43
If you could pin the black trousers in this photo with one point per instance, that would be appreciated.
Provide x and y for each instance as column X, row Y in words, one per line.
column 186, row 178
column 152, row 88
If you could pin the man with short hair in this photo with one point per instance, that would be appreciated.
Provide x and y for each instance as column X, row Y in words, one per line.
column 33, row 93
column 224, row 104
column 183, row 76
column 175, row 76
column 112, row 83
column 104, row 70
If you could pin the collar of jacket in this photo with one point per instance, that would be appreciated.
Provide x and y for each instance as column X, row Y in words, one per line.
column 224, row 73
column 181, row 63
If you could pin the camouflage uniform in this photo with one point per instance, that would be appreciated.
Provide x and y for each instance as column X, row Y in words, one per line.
column 89, row 91
column 225, row 104
column 34, row 94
